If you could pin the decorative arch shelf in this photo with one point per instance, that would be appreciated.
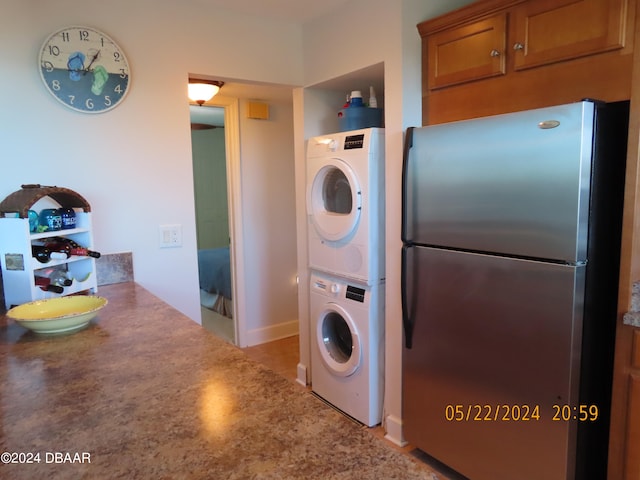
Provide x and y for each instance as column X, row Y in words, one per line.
column 21, row 200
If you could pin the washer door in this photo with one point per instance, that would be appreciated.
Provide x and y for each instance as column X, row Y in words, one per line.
column 338, row 341
column 334, row 200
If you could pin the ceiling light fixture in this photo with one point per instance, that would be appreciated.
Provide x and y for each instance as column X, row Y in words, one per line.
column 201, row 91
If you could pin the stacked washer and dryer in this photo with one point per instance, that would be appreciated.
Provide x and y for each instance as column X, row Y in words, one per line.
column 345, row 209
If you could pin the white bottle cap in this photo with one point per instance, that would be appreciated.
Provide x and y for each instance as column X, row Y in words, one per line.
column 356, row 94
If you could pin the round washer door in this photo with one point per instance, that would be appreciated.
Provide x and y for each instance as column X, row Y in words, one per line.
column 334, row 200
column 338, row 341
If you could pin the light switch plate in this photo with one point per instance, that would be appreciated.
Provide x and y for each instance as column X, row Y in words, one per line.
column 170, row 236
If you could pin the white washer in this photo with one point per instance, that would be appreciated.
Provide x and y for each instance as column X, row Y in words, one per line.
column 345, row 204
column 347, row 345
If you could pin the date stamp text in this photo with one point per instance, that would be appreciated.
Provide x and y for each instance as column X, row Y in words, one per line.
column 518, row 413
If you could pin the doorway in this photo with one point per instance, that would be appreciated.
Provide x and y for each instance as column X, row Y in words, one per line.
column 212, row 189
column 262, row 211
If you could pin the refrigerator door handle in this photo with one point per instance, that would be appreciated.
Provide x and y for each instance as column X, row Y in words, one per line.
column 408, row 145
column 407, row 321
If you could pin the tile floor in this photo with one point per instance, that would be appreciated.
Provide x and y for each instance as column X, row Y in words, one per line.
column 282, row 357
column 219, row 325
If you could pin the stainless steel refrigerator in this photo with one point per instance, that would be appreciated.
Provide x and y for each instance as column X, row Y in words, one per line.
column 510, row 261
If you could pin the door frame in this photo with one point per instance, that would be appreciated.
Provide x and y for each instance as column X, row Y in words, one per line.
column 234, row 201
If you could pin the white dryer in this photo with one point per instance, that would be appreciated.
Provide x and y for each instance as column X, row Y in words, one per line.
column 345, row 204
column 347, row 345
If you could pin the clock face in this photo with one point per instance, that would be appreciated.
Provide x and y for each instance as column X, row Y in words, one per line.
column 84, row 69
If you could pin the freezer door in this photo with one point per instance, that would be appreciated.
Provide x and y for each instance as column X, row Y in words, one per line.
column 494, row 359
column 515, row 184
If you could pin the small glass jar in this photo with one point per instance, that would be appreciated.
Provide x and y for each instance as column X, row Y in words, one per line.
column 51, row 219
column 33, row 221
column 68, row 218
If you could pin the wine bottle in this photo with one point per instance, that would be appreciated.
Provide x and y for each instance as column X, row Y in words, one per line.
column 45, row 284
column 58, row 247
column 56, row 276
column 44, row 255
column 75, row 249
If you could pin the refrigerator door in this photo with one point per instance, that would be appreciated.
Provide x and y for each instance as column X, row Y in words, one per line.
column 515, row 184
column 494, row 358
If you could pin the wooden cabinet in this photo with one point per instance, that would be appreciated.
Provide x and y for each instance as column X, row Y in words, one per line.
column 632, row 453
column 469, row 52
column 547, row 31
column 499, row 56
column 632, row 466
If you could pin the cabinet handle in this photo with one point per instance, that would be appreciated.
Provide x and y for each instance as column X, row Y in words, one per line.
column 494, row 53
column 518, row 46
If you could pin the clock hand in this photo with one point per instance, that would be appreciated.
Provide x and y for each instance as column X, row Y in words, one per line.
column 93, row 59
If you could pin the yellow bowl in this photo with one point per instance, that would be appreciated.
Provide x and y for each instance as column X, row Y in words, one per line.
column 57, row 315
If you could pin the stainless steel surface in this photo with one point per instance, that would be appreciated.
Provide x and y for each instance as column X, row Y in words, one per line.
column 503, row 185
column 511, row 234
column 491, row 332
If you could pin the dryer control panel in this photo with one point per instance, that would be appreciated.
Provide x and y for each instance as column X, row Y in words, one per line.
column 361, row 142
column 354, row 141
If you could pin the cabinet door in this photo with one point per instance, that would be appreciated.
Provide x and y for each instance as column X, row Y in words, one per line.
column 632, row 458
column 469, row 52
column 547, row 31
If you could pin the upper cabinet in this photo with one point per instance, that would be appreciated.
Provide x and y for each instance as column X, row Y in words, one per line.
column 498, row 56
column 551, row 31
column 469, row 52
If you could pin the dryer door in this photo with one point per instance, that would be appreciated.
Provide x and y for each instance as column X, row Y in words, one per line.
column 334, row 200
column 338, row 341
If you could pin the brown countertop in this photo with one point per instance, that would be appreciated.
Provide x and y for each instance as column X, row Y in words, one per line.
column 633, row 317
column 144, row 392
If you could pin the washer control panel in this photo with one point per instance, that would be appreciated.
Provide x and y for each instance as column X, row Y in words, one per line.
column 325, row 287
column 355, row 293
column 329, row 287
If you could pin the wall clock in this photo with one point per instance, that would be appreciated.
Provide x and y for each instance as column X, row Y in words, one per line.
column 84, row 69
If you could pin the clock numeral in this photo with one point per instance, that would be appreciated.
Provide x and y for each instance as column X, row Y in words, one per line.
column 118, row 89
column 55, row 84
column 123, row 73
column 84, row 35
column 47, row 66
column 72, row 99
column 89, row 104
column 107, row 101
column 65, row 36
column 54, row 50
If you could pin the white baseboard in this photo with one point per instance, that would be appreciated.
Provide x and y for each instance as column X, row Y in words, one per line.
column 393, row 429
column 271, row 333
column 302, row 378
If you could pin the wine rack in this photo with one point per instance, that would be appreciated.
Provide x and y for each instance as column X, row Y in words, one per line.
column 19, row 267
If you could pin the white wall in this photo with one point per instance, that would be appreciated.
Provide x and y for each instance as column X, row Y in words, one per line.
column 133, row 164
column 269, row 230
column 360, row 34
